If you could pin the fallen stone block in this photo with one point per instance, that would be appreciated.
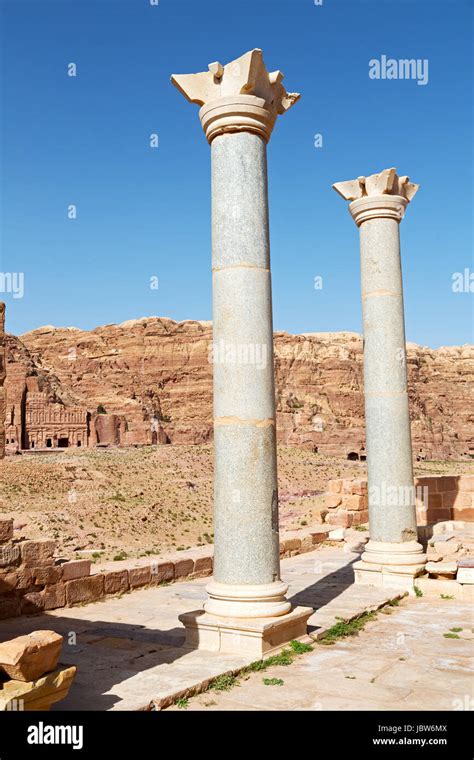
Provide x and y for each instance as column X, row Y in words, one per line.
column 26, row 658
column 39, row 694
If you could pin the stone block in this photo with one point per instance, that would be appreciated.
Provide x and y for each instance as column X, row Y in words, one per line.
column 32, row 603
column 319, row 536
column 255, row 637
column 332, row 500
column 355, row 502
column 466, row 483
column 83, row 590
column 438, row 586
column 9, row 555
column 116, row 582
column 78, row 568
column 446, row 547
column 292, row 542
column 37, row 553
column 6, row 530
column 458, row 499
column 335, row 486
column 337, row 534
column 183, row 568
column 139, row 576
column 341, row 518
column 446, row 483
column 465, row 575
column 202, row 567
column 18, row 579
column 39, row 694
column 442, row 569
column 162, row 572
column 26, row 658
column 44, row 576
column 359, row 518
column 461, row 514
column 54, row 596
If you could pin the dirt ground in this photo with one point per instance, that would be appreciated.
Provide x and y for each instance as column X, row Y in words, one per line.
column 129, row 502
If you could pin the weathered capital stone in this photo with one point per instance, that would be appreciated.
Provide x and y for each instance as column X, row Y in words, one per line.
column 241, row 96
column 380, row 195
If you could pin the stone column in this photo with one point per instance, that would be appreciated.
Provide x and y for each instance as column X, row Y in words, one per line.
column 3, row 373
column 247, row 609
column 393, row 555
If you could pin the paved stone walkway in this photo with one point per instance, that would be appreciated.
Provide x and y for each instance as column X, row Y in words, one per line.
column 400, row 661
column 129, row 651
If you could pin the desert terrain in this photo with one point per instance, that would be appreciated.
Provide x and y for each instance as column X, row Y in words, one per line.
column 135, row 501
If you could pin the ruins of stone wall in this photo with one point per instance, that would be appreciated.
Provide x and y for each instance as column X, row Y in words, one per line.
column 444, row 497
column 32, row 580
column 3, row 372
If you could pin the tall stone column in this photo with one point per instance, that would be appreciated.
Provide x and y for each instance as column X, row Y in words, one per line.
column 393, row 556
column 247, row 609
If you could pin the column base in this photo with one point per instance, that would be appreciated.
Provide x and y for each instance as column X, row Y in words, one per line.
column 256, row 637
column 247, row 600
column 391, row 565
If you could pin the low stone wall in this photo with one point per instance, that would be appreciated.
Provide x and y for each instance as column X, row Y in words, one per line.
column 438, row 498
column 32, row 580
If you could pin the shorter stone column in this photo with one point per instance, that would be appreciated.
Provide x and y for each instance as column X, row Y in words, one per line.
column 393, row 556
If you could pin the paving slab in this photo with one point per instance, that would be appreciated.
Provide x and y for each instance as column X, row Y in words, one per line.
column 402, row 660
column 129, row 650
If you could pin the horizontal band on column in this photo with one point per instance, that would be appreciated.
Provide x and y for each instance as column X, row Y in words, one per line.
column 386, row 393
column 240, row 266
column 380, row 293
column 269, row 422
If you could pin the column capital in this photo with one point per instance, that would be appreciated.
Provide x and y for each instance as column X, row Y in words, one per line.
column 240, row 96
column 380, row 195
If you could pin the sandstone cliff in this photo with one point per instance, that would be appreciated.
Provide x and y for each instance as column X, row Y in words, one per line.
column 154, row 373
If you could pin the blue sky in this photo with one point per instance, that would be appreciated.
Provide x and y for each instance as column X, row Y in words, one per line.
column 144, row 212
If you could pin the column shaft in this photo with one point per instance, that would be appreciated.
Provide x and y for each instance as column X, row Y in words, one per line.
column 245, row 499
column 387, row 419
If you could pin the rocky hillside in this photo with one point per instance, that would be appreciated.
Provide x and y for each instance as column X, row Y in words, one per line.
column 158, row 368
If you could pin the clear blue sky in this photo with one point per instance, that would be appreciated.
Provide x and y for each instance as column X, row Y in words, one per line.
column 145, row 212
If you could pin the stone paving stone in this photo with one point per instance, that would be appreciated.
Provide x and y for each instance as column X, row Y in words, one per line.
column 128, row 650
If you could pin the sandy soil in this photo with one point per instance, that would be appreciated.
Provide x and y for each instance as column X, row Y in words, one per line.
column 117, row 503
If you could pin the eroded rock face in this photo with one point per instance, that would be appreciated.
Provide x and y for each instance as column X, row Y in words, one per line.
column 153, row 379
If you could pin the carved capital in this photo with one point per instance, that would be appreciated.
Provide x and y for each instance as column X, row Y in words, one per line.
column 380, row 195
column 240, row 96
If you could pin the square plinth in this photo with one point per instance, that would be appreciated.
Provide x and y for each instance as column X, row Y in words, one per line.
column 254, row 636
column 398, row 577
